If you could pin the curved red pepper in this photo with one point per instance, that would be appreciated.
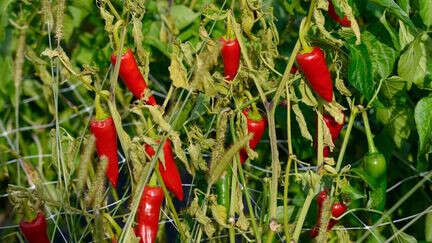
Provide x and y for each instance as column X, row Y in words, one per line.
column 332, row 13
column 257, row 128
column 334, row 128
column 169, row 173
column 314, row 67
column 132, row 76
column 338, row 208
column 148, row 214
column 106, row 145
column 35, row 231
column 231, row 57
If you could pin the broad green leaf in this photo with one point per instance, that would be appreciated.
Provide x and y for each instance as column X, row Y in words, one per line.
column 405, row 36
column 412, row 63
column 393, row 89
column 382, row 56
column 425, row 7
column 360, row 70
column 405, row 5
column 183, row 16
column 391, row 6
column 398, row 121
column 423, row 119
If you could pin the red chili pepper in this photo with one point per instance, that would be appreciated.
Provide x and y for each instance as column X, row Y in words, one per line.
column 132, row 76
column 148, row 214
column 256, row 125
column 169, row 173
column 231, row 57
column 322, row 196
column 334, row 128
column 35, row 231
column 106, row 145
column 314, row 67
column 332, row 13
column 294, row 69
column 338, row 208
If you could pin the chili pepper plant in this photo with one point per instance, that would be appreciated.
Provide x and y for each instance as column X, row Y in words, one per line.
column 215, row 121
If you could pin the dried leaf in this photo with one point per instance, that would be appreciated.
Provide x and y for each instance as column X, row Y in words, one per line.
column 301, row 122
column 178, row 73
column 219, row 213
column 226, row 160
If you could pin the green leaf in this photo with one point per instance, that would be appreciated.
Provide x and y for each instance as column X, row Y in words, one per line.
column 360, row 70
column 400, row 123
column 364, row 176
column 393, row 89
column 423, row 119
column 391, row 6
column 351, row 191
column 382, row 56
column 405, row 36
column 183, row 16
column 425, row 7
column 412, row 63
column 405, row 5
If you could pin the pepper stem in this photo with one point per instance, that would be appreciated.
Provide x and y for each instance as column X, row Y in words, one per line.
column 304, row 28
column 254, row 114
column 100, row 113
column 369, row 135
column 229, row 31
column 28, row 213
column 153, row 179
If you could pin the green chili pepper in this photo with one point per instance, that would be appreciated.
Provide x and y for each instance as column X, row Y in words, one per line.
column 375, row 168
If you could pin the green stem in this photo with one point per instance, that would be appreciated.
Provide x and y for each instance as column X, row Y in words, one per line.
column 320, row 157
column 248, row 200
column 285, row 198
column 255, row 114
column 354, row 113
column 100, row 113
column 369, row 135
column 305, row 29
column 303, row 214
column 234, row 180
column 270, row 236
column 288, row 166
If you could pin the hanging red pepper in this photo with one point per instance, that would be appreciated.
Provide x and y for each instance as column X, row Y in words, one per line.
column 314, row 67
column 132, row 76
column 103, row 128
column 256, row 124
column 334, row 128
column 332, row 13
column 169, row 173
column 338, row 208
column 231, row 57
column 148, row 214
column 293, row 69
column 35, row 231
